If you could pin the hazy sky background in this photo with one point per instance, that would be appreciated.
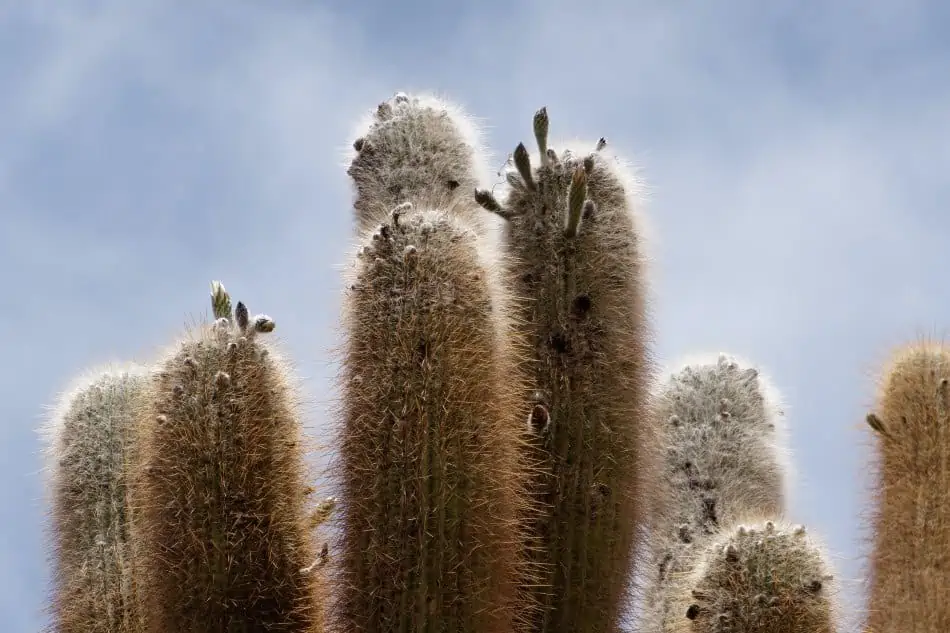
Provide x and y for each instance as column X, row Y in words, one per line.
column 797, row 154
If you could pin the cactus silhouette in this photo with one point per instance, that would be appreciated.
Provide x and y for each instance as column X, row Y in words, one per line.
column 576, row 257
column 417, row 149
column 910, row 562
column 90, row 442
column 766, row 576
column 429, row 475
column 220, row 493
column 722, row 436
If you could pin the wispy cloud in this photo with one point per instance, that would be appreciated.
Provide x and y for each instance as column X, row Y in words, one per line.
column 795, row 155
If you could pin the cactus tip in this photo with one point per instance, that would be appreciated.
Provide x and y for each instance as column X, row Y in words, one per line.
column 241, row 316
column 541, row 123
column 523, row 165
column 220, row 301
column 877, row 424
column 576, row 198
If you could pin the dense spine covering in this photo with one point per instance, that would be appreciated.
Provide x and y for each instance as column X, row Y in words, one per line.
column 91, row 441
column 725, row 462
column 417, row 149
column 721, row 430
column 430, row 481
column 221, row 489
column 575, row 252
column 910, row 562
column 763, row 577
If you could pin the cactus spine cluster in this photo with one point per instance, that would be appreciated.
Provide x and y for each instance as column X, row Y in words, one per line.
column 91, row 442
column 575, row 251
column 221, row 487
column 910, row 563
column 181, row 502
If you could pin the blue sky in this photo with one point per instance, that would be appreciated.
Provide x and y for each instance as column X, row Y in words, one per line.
column 796, row 156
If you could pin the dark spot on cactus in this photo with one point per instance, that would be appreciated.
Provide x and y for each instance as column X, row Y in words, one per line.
column 539, row 418
column 358, row 144
column 732, row 554
column 581, row 305
column 701, row 484
column 385, row 231
column 453, row 184
column 664, row 563
column 589, row 209
column 814, row 586
column 558, row 342
column 709, row 510
column 692, row 612
column 684, row 534
column 422, row 351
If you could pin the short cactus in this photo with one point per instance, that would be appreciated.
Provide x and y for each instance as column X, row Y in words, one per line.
column 724, row 459
column 429, row 475
column 220, row 493
column 910, row 562
column 574, row 246
column 417, row 149
column 91, row 441
column 762, row 576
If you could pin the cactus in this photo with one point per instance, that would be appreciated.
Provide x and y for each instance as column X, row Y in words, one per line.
column 766, row 576
column 417, row 149
column 220, row 492
column 726, row 460
column 90, row 441
column 179, row 493
column 910, row 562
column 575, row 251
column 429, row 474
column 723, row 436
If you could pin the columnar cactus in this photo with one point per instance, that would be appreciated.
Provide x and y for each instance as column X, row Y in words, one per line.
column 762, row 577
column 417, row 149
column 724, row 460
column 91, row 435
column 575, row 252
column 223, row 516
column 429, row 474
column 910, row 563
column 499, row 455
